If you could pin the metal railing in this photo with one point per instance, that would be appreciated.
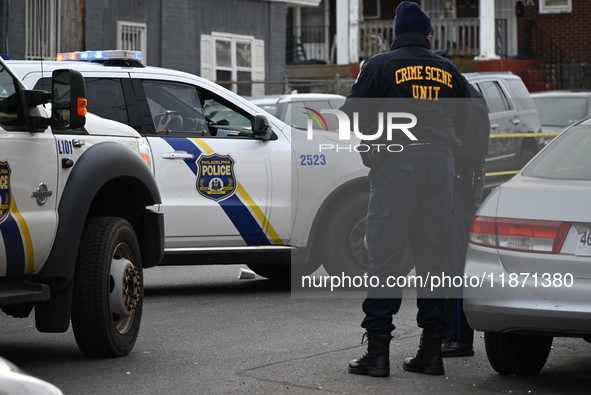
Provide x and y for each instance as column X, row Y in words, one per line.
column 308, row 45
column 460, row 36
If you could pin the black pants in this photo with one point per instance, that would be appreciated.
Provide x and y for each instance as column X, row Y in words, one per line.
column 410, row 199
column 458, row 329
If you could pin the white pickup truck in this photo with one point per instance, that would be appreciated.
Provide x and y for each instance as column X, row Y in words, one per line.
column 80, row 215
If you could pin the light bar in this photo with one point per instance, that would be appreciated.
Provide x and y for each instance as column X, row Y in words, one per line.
column 100, row 55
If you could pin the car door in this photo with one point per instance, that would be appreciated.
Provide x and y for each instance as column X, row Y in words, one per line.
column 28, row 183
column 211, row 169
column 502, row 151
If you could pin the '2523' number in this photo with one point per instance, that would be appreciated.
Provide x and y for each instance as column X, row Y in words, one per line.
column 312, row 160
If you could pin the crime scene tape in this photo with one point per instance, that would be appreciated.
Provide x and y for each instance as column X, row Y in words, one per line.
column 515, row 135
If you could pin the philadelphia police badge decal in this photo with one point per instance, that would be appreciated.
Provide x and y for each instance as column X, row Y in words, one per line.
column 216, row 179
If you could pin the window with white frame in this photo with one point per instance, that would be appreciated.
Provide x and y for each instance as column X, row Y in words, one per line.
column 555, row 6
column 132, row 36
column 42, row 29
column 371, row 9
column 236, row 62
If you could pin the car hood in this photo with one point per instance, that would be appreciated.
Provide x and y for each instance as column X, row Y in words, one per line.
column 542, row 199
column 98, row 126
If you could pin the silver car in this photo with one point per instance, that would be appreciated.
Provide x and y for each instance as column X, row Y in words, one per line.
column 559, row 109
column 528, row 268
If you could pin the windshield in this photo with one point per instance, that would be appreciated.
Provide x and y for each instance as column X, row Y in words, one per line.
column 567, row 158
column 562, row 111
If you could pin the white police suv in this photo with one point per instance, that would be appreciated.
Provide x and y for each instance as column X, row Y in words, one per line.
column 237, row 186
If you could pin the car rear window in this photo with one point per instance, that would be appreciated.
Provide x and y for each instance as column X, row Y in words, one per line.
column 561, row 111
column 567, row 158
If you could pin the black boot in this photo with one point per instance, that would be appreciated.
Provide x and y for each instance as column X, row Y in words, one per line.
column 376, row 361
column 428, row 359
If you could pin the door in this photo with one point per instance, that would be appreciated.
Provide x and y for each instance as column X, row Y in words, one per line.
column 211, row 169
column 502, row 151
column 28, row 188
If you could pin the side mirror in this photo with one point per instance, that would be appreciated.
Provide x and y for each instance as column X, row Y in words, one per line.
column 68, row 109
column 261, row 127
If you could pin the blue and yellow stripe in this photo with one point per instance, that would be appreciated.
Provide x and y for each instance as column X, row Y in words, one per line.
column 20, row 254
column 248, row 218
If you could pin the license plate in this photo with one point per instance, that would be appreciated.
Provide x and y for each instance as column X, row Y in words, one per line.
column 584, row 240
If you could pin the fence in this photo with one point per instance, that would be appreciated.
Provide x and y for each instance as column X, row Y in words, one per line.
column 337, row 85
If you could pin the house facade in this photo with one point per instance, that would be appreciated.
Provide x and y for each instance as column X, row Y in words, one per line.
column 533, row 38
column 233, row 42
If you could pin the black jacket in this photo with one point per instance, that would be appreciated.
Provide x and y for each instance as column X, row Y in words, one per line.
column 393, row 81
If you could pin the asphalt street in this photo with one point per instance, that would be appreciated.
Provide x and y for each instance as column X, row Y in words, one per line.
column 204, row 331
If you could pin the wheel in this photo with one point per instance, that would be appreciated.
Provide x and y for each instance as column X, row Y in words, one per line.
column 525, row 156
column 108, row 289
column 510, row 353
column 340, row 241
column 272, row 272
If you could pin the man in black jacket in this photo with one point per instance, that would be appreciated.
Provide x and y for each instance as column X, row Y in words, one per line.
column 411, row 192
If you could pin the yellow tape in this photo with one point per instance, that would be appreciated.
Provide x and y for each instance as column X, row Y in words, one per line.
column 501, row 173
column 509, row 135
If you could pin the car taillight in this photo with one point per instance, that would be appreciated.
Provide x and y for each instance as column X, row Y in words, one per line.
column 519, row 234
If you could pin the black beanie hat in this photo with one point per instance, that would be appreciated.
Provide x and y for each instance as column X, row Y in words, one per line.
column 411, row 18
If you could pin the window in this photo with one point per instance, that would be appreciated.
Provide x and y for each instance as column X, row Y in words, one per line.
column 132, row 36
column 182, row 110
column 42, row 29
column 565, row 159
column 555, row 6
column 9, row 101
column 371, row 9
column 495, row 98
column 105, row 97
column 234, row 62
column 521, row 94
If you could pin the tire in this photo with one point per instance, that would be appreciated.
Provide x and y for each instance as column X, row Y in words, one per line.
column 510, row 353
column 340, row 241
column 105, row 320
column 272, row 272
column 525, row 156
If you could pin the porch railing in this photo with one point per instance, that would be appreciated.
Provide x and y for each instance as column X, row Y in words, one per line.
column 460, row 36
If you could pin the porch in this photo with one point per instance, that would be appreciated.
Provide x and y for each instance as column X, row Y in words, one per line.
column 316, row 44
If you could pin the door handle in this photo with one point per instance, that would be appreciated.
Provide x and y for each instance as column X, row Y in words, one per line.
column 515, row 121
column 494, row 125
column 177, row 155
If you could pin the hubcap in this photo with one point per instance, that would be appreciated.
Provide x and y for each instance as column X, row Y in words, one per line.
column 125, row 289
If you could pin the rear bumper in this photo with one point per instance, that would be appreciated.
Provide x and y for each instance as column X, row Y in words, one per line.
column 555, row 303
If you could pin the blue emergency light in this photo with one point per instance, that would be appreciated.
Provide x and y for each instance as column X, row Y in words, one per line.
column 100, row 55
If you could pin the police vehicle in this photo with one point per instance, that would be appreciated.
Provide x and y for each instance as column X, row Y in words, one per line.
column 79, row 215
column 237, row 186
